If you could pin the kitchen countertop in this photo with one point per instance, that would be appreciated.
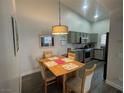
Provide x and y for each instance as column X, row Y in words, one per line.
column 82, row 49
column 98, row 48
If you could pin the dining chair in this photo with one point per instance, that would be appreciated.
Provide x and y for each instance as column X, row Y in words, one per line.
column 47, row 54
column 47, row 77
column 71, row 55
column 81, row 85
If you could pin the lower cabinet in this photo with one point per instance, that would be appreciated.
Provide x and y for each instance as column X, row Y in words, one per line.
column 99, row 54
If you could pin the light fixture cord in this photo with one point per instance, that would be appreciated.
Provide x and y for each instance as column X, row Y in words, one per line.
column 59, row 13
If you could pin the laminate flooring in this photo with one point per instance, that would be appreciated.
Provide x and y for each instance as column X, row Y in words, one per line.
column 33, row 83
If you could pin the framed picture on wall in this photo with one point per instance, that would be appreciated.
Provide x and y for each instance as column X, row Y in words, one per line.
column 46, row 40
column 15, row 36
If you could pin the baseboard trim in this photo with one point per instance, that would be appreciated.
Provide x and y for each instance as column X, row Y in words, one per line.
column 29, row 72
column 114, row 85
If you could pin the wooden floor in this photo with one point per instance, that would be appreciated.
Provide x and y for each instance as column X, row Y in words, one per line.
column 33, row 83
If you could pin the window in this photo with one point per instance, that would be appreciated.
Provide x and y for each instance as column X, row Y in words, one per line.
column 103, row 40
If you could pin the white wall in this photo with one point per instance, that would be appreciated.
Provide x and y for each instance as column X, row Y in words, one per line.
column 115, row 51
column 36, row 17
column 100, row 27
column 9, row 64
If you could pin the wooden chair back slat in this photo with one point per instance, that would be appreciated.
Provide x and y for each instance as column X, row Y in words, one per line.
column 86, row 80
column 72, row 55
column 42, row 68
column 47, row 54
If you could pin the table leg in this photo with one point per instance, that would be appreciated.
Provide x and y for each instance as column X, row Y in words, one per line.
column 64, row 81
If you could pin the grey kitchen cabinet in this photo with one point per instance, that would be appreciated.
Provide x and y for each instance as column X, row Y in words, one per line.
column 93, row 37
column 81, row 37
column 99, row 54
column 74, row 37
column 78, row 37
column 71, row 37
column 84, row 38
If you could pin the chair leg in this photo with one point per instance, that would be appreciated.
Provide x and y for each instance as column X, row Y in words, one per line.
column 67, row 89
column 58, row 82
column 45, row 87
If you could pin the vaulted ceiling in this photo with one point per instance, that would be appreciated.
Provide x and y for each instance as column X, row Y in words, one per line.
column 93, row 10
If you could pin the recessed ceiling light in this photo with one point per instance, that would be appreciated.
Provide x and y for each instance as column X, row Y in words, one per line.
column 85, row 6
column 96, row 16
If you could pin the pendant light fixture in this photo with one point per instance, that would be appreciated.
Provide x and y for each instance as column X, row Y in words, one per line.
column 59, row 29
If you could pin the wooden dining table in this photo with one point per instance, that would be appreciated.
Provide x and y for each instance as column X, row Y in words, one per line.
column 59, row 70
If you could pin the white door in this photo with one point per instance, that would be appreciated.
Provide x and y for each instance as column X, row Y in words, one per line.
column 9, row 64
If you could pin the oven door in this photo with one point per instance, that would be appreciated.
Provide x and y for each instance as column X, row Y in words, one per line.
column 87, row 55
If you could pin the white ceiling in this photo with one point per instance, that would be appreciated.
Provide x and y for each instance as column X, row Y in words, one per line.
column 101, row 8
column 111, row 4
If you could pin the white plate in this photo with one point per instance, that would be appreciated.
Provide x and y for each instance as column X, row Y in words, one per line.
column 67, row 60
column 53, row 58
column 50, row 63
column 70, row 66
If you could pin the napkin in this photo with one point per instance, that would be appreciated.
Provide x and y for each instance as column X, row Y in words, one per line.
column 59, row 61
column 67, row 59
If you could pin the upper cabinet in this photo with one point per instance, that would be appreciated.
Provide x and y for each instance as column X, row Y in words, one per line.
column 80, row 37
column 93, row 37
column 74, row 37
column 71, row 37
column 84, row 37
